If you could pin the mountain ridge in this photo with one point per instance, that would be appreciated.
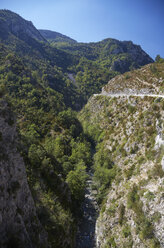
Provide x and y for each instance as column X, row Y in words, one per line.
column 14, row 23
column 53, row 36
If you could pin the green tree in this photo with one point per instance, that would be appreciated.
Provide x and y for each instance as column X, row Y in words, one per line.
column 157, row 58
column 77, row 181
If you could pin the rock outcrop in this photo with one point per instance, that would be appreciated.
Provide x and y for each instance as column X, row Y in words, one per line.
column 146, row 81
column 15, row 24
column 19, row 224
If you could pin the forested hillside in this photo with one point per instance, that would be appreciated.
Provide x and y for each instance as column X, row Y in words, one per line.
column 53, row 146
column 100, row 61
column 90, row 64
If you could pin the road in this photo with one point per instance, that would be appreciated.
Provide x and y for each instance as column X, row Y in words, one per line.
column 127, row 95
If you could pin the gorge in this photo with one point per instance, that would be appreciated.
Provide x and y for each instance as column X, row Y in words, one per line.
column 81, row 141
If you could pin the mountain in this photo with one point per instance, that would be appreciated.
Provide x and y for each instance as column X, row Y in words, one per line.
column 22, row 37
column 126, row 122
column 117, row 55
column 100, row 61
column 86, row 66
column 55, row 37
column 48, row 150
column 16, row 25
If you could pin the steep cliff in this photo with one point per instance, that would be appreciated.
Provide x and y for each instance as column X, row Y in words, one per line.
column 128, row 163
column 19, row 224
column 11, row 22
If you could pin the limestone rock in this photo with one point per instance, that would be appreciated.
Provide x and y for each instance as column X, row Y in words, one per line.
column 19, row 224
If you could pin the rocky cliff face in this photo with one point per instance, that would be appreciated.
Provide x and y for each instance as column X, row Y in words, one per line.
column 133, row 136
column 135, row 56
column 19, row 224
column 13, row 23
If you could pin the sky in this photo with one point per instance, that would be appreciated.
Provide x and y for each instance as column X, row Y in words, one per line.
column 141, row 21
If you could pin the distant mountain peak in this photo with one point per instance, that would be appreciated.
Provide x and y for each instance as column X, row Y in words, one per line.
column 13, row 23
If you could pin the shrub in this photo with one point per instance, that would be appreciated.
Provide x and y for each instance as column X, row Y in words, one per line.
column 141, row 160
column 149, row 195
column 126, row 231
column 111, row 210
column 127, row 76
column 147, row 230
column 77, row 182
column 2, row 90
column 153, row 69
column 131, row 109
column 133, row 201
column 128, row 244
column 121, row 213
column 111, row 243
column 129, row 172
column 156, row 217
column 158, row 171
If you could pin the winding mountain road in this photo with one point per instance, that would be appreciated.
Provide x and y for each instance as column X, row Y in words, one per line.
column 127, row 95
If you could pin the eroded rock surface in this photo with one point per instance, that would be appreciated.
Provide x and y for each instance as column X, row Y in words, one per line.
column 19, row 224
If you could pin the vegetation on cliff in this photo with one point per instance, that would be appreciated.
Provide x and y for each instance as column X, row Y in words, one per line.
column 54, row 148
column 128, row 162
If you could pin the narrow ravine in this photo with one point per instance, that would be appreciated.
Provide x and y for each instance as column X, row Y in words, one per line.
column 86, row 230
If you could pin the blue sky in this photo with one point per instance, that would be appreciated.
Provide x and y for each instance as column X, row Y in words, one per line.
column 141, row 21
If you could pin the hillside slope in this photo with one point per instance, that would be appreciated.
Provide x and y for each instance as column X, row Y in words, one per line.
column 129, row 168
column 115, row 55
column 20, row 36
column 54, row 149
column 15, row 24
column 55, row 37
column 147, row 80
column 90, row 64
column 20, row 40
